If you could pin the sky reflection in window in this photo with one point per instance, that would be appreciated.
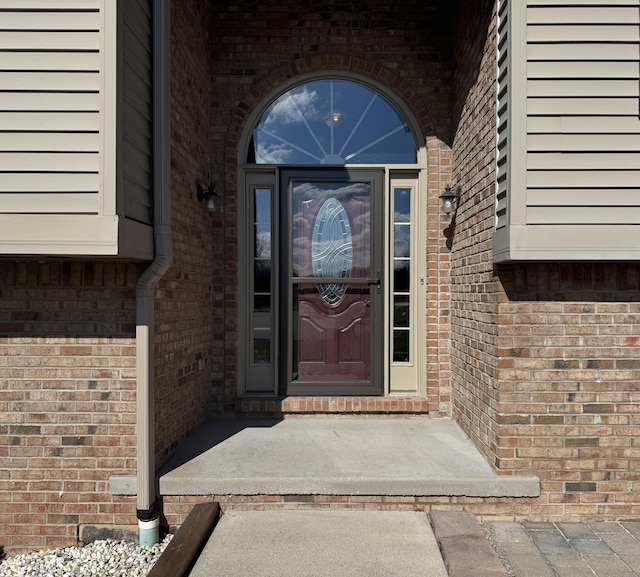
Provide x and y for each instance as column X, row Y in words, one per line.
column 332, row 122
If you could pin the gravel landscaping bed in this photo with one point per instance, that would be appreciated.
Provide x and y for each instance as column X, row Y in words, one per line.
column 100, row 558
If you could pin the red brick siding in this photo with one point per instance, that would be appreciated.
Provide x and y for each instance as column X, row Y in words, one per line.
column 392, row 405
column 177, row 508
column 184, row 343
column 569, row 375
column 67, row 397
column 474, row 291
column 437, row 348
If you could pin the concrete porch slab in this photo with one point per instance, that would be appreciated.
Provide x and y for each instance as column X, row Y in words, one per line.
column 336, row 456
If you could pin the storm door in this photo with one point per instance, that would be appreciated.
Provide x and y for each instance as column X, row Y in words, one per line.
column 334, row 281
column 333, row 274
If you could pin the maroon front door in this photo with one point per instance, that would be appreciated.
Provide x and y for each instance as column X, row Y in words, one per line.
column 334, row 281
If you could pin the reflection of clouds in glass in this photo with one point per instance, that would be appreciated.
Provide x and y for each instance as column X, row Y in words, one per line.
column 292, row 108
column 402, row 204
column 273, row 154
column 402, row 241
column 355, row 197
column 370, row 129
column 312, row 190
column 347, row 192
column 263, row 245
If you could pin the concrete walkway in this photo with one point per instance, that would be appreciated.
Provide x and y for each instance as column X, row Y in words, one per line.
column 321, row 544
column 330, row 543
column 336, row 456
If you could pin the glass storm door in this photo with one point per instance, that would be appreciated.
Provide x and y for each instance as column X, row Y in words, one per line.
column 333, row 277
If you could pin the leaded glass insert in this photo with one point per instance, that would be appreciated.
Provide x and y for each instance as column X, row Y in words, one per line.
column 332, row 122
column 332, row 249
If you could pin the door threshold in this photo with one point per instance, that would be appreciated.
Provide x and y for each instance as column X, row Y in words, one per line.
column 352, row 406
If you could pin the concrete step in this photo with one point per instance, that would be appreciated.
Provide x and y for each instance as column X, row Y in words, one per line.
column 328, row 543
column 314, row 543
column 334, row 456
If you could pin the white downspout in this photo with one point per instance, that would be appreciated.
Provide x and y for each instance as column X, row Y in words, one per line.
column 145, row 291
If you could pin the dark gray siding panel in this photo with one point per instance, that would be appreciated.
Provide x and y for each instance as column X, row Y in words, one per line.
column 137, row 113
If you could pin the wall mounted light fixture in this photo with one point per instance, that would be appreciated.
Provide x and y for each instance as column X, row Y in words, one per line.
column 450, row 199
column 209, row 193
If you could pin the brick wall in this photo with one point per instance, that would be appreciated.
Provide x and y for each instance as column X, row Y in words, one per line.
column 474, row 290
column 177, row 508
column 67, row 397
column 185, row 348
column 569, row 410
column 545, row 357
column 437, row 349
column 406, row 46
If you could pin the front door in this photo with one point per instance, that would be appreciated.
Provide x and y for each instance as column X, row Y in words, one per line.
column 333, row 273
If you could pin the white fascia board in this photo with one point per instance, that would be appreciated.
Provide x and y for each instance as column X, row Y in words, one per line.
column 58, row 235
column 567, row 243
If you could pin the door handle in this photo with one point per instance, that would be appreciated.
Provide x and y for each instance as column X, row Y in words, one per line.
column 373, row 281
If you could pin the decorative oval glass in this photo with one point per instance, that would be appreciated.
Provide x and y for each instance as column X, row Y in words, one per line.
column 332, row 249
column 332, row 122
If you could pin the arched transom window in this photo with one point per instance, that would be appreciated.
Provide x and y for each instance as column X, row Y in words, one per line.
column 332, row 122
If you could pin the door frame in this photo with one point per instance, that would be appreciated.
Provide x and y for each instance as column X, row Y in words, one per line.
column 375, row 177
column 262, row 379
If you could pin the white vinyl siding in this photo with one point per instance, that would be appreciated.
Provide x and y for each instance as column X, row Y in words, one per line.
column 574, row 134
column 60, row 189
column 51, row 89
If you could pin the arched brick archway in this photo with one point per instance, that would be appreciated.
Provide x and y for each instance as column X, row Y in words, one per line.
column 437, row 154
column 317, row 65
